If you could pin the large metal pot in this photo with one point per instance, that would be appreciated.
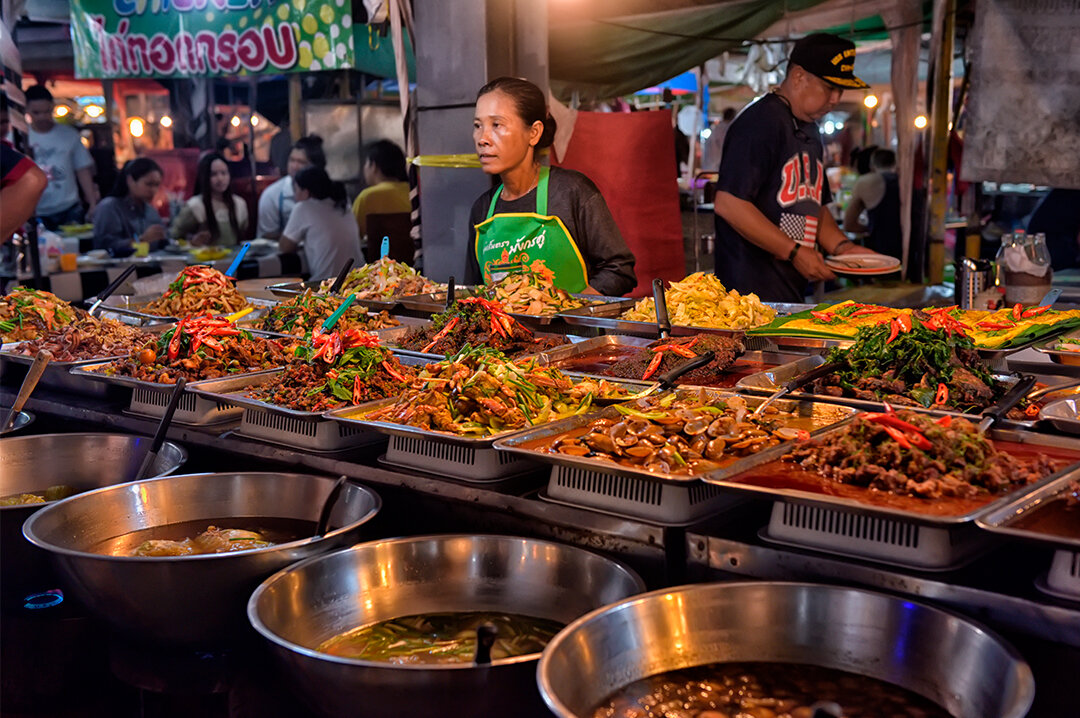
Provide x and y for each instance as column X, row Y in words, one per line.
column 950, row 660
column 192, row 600
column 301, row 607
column 81, row 461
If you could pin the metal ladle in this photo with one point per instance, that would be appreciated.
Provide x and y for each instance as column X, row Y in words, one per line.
column 486, row 633
column 30, row 381
column 328, row 506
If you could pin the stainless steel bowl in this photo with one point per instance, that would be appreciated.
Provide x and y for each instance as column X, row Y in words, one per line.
column 193, row 600
column 306, row 604
column 956, row 663
column 22, row 420
column 81, row 461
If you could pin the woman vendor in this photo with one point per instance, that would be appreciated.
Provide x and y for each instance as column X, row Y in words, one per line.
column 554, row 215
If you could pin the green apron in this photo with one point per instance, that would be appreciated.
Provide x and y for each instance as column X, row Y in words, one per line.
column 513, row 241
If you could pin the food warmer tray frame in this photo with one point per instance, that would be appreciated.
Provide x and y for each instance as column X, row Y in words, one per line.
column 582, row 317
column 1060, row 357
column 635, row 493
column 404, row 321
column 1064, row 421
column 784, row 373
column 120, row 305
column 392, row 334
column 849, row 527
column 471, row 459
column 288, row 290
column 58, row 375
column 280, row 425
column 1063, row 578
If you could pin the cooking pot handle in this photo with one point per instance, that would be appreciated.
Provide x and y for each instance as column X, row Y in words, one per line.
column 486, row 633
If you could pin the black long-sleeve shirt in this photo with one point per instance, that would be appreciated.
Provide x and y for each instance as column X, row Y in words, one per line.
column 573, row 198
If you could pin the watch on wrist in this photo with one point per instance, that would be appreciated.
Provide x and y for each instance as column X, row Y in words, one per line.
column 794, row 251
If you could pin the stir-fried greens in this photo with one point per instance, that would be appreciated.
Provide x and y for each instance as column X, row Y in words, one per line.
column 479, row 392
column 384, row 279
column 196, row 290
column 913, row 454
column 476, row 321
column 914, row 363
column 30, row 313
column 200, row 347
column 532, row 291
column 337, row 369
column 305, row 313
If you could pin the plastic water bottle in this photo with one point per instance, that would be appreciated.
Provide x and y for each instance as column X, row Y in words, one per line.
column 50, row 247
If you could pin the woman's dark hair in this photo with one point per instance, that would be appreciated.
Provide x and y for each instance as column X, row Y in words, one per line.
column 318, row 183
column 861, row 161
column 136, row 169
column 312, row 147
column 389, row 159
column 202, row 188
column 530, row 103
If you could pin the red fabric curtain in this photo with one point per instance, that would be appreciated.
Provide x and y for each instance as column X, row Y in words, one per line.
column 631, row 158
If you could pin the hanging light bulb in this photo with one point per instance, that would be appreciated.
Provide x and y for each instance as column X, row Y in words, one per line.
column 136, row 126
column 920, row 121
column 254, row 120
column 165, row 121
column 870, row 101
column 235, row 121
column 94, row 111
column 61, row 111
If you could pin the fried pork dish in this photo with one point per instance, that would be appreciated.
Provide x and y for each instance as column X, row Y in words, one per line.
column 31, row 313
column 532, row 291
column 679, row 435
column 304, row 314
column 382, row 280
column 915, row 363
column 664, row 355
column 197, row 290
column 479, row 392
column 212, row 540
column 86, row 338
column 200, row 348
column 337, row 369
column 475, row 321
column 913, row 454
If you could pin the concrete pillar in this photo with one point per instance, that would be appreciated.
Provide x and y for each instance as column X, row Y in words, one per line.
column 459, row 47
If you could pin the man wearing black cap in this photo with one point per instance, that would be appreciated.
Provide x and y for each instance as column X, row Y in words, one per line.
column 771, row 193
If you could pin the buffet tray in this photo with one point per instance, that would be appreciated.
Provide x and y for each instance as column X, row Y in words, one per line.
column 1058, row 356
column 121, row 306
column 390, row 337
column 281, row 425
column 854, row 528
column 1063, row 415
column 288, row 290
column 636, row 493
column 251, row 325
column 583, row 317
column 767, row 382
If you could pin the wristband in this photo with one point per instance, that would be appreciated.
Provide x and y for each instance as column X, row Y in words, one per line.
column 837, row 247
column 794, row 251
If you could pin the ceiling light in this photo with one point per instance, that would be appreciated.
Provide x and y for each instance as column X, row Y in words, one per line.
column 165, row 121
column 136, row 127
column 920, row 121
column 870, row 101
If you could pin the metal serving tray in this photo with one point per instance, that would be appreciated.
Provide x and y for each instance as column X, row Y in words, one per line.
column 1000, row 520
column 583, row 317
column 767, row 382
column 252, row 325
column 288, row 290
column 1063, row 415
column 434, row 302
column 130, row 306
column 392, row 335
column 1057, row 356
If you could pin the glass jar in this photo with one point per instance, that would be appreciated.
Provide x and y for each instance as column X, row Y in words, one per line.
column 1023, row 265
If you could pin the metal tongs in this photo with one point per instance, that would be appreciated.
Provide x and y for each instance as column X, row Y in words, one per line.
column 336, row 286
column 1012, row 397
column 113, row 286
column 799, row 382
column 663, row 322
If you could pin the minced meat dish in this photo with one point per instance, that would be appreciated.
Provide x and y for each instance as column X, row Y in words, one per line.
column 673, row 352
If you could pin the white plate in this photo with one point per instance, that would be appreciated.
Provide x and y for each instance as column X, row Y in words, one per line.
column 863, row 264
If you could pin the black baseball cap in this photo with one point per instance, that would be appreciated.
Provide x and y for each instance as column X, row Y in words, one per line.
column 829, row 57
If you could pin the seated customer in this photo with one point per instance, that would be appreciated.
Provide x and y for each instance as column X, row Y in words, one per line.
column 277, row 200
column 387, row 190
column 321, row 223
column 227, row 223
column 127, row 216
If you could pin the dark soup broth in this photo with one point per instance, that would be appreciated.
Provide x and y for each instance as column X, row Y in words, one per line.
column 442, row 638
column 205, row 536
column 763, row 690
column 1057, row 517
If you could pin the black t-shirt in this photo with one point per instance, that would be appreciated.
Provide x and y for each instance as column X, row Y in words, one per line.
column 775, row 162
column 573, row 198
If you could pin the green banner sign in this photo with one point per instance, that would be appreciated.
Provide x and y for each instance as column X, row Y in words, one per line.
column 192, row 38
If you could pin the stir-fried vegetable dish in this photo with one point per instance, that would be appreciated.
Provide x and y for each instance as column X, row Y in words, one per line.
column 920, row 363
column 30, row 313
column 680, row 434
column 701, row 300
column 479, row 392
column 52, row 493
column 384, row 279
column 913, row 454
column 86, row 338
column 305, row 313
column 476, row 321
column 197, row 290
column 338, row 368
column 532, row 291
column 664, row 355
column 200, row 347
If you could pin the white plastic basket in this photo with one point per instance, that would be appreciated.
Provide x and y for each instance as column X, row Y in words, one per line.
column 313, row 435
column 455, row 460
column 658, row 502
column 893, row 541
column 191, row 409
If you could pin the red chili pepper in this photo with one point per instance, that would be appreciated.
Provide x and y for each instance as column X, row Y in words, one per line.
column 653, row 366
column 445, row 330
column 357, row 388
column 904, row 322
column 1017, row 310
column 942, row 395
column 894, row 421
column 1031, row 411
column 212, row 343
column 822, row 316
column 1033, row 312
column 932, row 323
column 869, row 310
column 393, row 372
column 945, row 421
column 898, row 437
column 496, row 327
column 894, row 330
column 174, row 342
column 683, row 351
column 994, row 326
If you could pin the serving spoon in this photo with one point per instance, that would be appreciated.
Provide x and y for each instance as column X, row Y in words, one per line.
column 30, row 381
column 799, row 382
column 162, row 430
column 328, row 506
column 113, row 286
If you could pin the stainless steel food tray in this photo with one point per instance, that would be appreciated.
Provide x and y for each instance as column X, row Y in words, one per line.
column 292, row 289
column 252, row 325
column 1000, row 519
column 121, row 306
column 1063, row 415
column 391, row 336
column 308, row 430
column 57, row 374
column 584, row 317
column 434, row 302
column 767, row 382
column 1058, row 356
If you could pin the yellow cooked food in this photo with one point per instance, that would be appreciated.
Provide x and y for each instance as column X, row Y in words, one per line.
column 701, row 300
